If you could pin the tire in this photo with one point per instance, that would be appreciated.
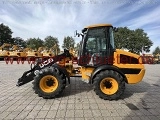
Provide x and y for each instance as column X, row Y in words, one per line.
column 109, row 85
column 49, row 83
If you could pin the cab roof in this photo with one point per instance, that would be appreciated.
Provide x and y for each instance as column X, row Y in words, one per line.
column 99, row 25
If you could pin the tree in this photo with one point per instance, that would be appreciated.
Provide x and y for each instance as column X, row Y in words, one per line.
column 135, row 41
column 68, row 42
column 34, row 43
column 156, row 51
column 5, row 34
column 20, row 42
column 121, row 37
column 77, row 47
column 52, row 43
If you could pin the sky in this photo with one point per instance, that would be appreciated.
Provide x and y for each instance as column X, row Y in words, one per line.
column 60, row 18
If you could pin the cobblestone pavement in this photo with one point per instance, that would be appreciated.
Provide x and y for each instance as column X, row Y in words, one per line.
column 78, row 101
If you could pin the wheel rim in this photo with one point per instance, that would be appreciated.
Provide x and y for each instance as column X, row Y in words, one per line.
column 109, row 86
column 48, row 84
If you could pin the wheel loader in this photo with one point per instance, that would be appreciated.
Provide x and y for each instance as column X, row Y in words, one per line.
column 4, row 50
column 35, row 53
column 99, row 63
column 17, row 52
column 156, row 59
column 32, row 55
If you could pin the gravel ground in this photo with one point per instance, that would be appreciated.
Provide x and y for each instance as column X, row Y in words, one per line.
column 139, row 102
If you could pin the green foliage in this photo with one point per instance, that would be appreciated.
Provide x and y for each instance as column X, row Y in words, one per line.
column 133, row 40
column 156, row 51
column 5, row 34
column 34, row 43
column 52, row 43
column 20, row 42
column 77, row 47
column 68, row 42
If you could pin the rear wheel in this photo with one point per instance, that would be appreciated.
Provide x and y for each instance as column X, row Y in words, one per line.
column 49, row 83
column 109, row 85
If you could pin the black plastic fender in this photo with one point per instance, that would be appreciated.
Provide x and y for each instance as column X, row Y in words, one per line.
column 106, row 67
column 63, row 70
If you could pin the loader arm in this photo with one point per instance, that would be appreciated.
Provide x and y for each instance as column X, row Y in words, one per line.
column 29, row 75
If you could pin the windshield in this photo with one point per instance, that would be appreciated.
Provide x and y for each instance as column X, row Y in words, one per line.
column 111, row 37
column 96, row 40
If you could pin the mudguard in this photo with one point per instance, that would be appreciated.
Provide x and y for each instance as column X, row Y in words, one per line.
column 106, row 67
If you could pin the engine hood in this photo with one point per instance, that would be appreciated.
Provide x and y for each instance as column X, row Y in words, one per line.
column 122, row 56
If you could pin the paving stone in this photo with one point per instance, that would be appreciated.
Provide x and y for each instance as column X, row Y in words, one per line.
column 88, row 118
column 51, row 114
column 96, row 113
column 62, row 106
column 69, row 114
column 54, row 107
column 12, row 115
column 136, row 118
column 114, row 113
column 46, row 107
column 78, row 113
column 4, row 114
column 42, row 114
column 117, row 118
column 121, row 112
column 105, row 113
column 78, row 106
column 87, row 113
column 4, row 108
column 70, row 106
column 94, row 106
column 101, row 106
column 153, row 117
column 11, row 108
column 144, row 118
column 32, row 114
column 34, row 102
column 37, row 107
column 29, row 108
column 153, row 112
column 61, row 114
column 86, row 106
column 22, row 115
column 80, row 118
column 126, row 118
column 20, row 108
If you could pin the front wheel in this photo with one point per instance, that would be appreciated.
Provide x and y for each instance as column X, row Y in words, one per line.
column 49, row 83
column 109, row 85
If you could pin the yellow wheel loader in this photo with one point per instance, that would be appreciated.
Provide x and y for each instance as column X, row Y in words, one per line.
column 4, row 50
column 47, row 52
column 99, row 63
column 156, row 59
column 17, row 52
column 32, row 55
column 35, row 53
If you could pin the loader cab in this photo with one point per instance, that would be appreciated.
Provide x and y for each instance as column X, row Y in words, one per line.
column 97, row 45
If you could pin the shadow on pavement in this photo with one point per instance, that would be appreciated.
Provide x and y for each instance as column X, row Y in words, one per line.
column 143, row 99
column 75, row 87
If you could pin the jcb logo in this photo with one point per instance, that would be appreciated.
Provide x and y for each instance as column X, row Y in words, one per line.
column 50, row 60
